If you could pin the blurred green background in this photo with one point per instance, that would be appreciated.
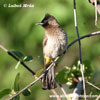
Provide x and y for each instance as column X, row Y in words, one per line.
column 19, row 32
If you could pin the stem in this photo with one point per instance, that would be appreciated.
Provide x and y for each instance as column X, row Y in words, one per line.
column 64, row 92
column 55, row 93
column 93, row 85
column 26, row 87
column 98, row 98
column 85, row 36
column 21, row 63
column 31, row 84
column 9, row 53
column 80, row 54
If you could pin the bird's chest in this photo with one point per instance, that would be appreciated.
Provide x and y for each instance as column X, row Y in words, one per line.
column 55, row 46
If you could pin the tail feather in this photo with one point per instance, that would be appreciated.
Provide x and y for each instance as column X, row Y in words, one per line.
column 48, row 80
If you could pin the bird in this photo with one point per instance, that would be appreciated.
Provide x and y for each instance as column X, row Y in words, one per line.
column 54, row 44
column 98, row 4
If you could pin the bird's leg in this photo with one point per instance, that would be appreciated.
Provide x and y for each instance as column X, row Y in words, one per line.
column 54, row 62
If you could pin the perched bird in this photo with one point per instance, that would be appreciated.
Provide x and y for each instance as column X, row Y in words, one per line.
column 54, row 44
column 98, row 4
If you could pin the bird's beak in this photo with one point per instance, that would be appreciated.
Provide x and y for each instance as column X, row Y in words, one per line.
column 40, row 23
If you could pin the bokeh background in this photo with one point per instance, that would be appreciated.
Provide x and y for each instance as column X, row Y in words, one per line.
column 19, row 32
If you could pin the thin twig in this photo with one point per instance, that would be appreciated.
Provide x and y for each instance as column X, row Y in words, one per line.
column 98, row 98
column 12, row 55
column 55, row 93
column 93, row 85
column 76, row 80
column 31, row 84
column 26, row 87
column 3, row 48
column 80, row 54
column 64, row 92
column 85, row 36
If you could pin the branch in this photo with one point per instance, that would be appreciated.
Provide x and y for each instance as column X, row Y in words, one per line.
column 55, row 93
column 31, row 84
column 85, row 36
column 26, row 87
column 93, row 85
column 12, row 55
column 98, row 98
column 80, row 54
column 64, row 92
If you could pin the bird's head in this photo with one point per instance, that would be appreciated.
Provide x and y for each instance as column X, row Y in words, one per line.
column 48, row 21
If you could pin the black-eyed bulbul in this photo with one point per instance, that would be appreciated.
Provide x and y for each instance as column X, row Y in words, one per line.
column 54, row 45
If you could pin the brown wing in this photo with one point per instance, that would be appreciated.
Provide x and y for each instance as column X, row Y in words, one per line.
column 45, row 40
column 44, row 44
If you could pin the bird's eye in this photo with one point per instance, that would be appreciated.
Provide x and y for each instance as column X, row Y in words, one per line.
column 45, row 23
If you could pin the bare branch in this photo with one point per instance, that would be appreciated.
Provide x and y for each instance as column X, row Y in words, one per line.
column 31, row 84
column 92, row 85
column 55, row 93
column 4, row 49
column 80, row 54
column 12, row 55
column 64, row 92
column 98, row 98
column 26, row 87
column 85, row 36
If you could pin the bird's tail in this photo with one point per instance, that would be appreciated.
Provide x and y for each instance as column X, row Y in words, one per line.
column 48, row 80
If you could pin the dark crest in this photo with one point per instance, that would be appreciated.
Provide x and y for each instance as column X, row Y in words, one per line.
column 47, row 17
column 46, row 20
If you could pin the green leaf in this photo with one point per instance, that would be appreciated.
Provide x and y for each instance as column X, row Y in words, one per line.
column 38, row 73
column 62, row 76
column 17, row 98
column 18, row 54
column 27, row 92
column 18, row 63
column 28, row 58
column 88, row 68
column 16, row 82
column 4, row 92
